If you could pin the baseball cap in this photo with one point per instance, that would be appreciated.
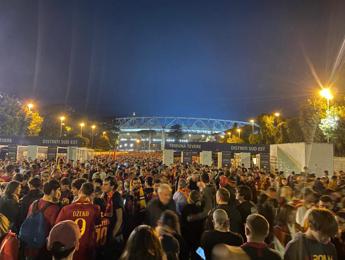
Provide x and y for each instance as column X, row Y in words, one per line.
column 65, row 233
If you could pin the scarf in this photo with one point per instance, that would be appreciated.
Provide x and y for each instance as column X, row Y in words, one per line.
column 139, row 196
column 109, row 209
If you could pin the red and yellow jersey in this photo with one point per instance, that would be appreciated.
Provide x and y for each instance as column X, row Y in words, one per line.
column 87, row 216
column 102, row 232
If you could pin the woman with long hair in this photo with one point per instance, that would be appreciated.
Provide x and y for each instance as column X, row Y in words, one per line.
column 169, row 232
column 9, row 204
column 143, row 243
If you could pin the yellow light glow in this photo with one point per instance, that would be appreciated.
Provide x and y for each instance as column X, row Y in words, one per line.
column 82, row 124
column 30, row 106
column 93, row 126
column 62, row 118
column 239, row 130
column 326, row 93
column 252, row 121
column 277, row 114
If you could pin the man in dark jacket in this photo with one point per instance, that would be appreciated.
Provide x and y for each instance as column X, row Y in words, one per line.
column 257, row 229
column 220, row 235
column 208, row 193
column 246, row 206
column 208, row 199
column 34, row 194
column 222, row 199
column 158, row 205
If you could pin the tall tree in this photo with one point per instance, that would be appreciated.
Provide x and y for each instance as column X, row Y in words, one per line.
column 34, row 121
column 12, row 117
column 310, row 116
column 294, row 131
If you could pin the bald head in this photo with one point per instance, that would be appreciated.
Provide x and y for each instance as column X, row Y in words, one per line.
column 221, row 219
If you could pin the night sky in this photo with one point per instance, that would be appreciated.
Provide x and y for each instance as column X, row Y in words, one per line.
column 219, row 59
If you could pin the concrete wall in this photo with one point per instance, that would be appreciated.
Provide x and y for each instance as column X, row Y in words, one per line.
column 295, row 156
column 288, row 157
column 319, row 157
column 339, row 164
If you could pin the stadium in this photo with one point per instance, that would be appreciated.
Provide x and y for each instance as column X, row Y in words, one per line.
column 151, row 133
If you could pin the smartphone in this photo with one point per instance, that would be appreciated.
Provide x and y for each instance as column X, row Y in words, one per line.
column 201, row 253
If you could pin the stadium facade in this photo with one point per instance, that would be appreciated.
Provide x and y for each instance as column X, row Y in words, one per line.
column 151, row 133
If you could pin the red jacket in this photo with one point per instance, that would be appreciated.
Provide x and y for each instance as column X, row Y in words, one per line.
column 9, row 247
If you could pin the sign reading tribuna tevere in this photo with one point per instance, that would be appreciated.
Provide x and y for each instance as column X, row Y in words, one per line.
column 40, row 141
column 218, row 147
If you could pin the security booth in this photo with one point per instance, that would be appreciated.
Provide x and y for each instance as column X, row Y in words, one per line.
column 221, row 155
column 79, row 154
column 184, row 157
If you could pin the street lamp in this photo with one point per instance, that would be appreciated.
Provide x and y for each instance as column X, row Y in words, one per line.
column 277, row 114
column 82, row 124
column 93, row 127
column 327, row 94
column 239, row 132
column 62, row 119
column 30, row 106
column 252, row 122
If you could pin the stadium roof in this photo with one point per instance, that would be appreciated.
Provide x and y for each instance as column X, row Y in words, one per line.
column 188, row 125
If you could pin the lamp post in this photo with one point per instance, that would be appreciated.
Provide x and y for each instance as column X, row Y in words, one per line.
column 93, row 127
column 327, row 94
column 239, row 132
column 82, row 124
column 276, row 115
column 30, row 106
column 138, row 141
column 62, row 119
column 252, row 123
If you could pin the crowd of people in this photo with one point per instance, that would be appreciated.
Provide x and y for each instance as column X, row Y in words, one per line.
column 134, row 207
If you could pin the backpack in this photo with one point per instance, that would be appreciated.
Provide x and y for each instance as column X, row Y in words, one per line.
column 33, row 232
